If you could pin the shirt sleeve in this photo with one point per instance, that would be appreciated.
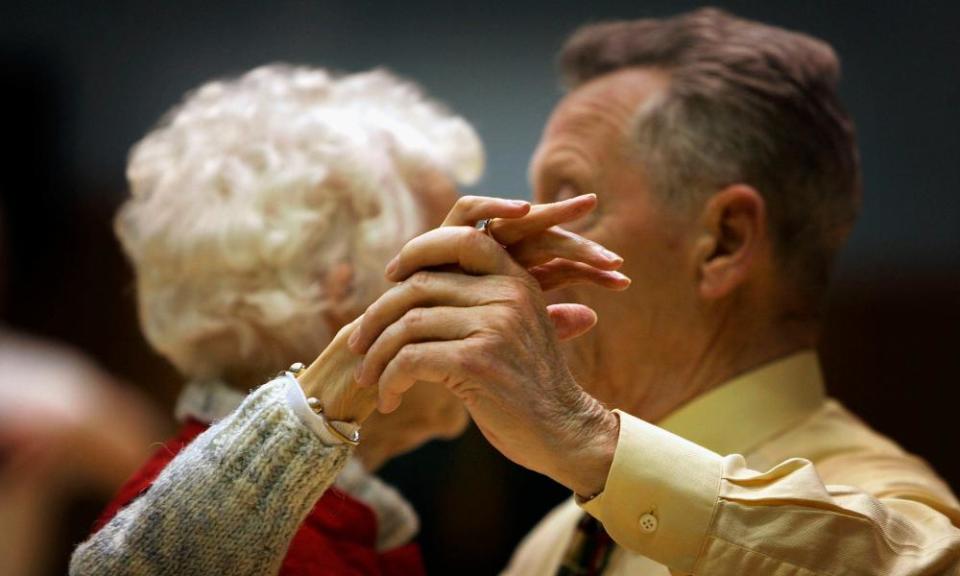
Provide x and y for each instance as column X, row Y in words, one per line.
column 700, row 513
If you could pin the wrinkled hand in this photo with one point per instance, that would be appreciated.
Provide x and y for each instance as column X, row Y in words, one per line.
column 553, row 256
column 487, row 336
column 532, row 236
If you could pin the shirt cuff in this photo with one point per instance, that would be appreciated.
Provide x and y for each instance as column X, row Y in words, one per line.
column 660, row 494
column 297, row 401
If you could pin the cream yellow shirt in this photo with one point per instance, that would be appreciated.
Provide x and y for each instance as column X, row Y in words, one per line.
column 762, row 475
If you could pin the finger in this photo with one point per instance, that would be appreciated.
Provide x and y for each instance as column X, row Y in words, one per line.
column 417, row 325
column 469, row 209
column 571, row 320
column 542, row 217
column 559, row 243
column 559, row 273
column 423, row 362
column 466, row 247
column 423, row 289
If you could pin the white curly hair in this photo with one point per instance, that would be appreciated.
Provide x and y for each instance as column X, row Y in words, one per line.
column 253, row 191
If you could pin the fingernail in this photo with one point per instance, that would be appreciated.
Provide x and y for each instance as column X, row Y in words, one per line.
column 611, row 256
column 519, row 203
column 358, row 371
column 392, row 266
column 622, row 277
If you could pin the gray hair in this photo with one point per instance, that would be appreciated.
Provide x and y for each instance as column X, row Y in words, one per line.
column 746, row 103
column 251, row 191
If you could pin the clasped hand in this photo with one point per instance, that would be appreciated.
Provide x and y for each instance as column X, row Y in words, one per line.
column 469, row 313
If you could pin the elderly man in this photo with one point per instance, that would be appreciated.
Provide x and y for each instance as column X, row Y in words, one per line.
column 692, row 421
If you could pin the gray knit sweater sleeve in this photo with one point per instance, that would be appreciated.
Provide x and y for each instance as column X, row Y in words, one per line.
column 229, row 503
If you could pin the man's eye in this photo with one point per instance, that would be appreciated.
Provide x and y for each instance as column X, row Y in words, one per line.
column 566, row 192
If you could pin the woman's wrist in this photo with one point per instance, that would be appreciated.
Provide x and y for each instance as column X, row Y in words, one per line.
column 330, row 380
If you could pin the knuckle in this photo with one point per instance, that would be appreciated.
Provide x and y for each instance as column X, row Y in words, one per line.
column 419, row 282
column 475, row 241
column 483, row 363
column 466, row 204
column 405, row 249
column 474, row 362
column 473, row 236
column 372, row 316
column 407, row 358
column 413, row 319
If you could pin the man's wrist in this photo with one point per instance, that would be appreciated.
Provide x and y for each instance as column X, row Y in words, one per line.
column 588, row 462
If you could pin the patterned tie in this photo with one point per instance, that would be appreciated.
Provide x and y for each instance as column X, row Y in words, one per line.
column 589, row 550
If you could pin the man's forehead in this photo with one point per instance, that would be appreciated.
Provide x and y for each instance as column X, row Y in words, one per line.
column 598, row 109
column 616, row 94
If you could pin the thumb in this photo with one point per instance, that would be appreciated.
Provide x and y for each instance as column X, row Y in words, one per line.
column 571, row 320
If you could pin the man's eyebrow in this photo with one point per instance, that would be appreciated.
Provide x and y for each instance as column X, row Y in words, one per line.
column 566, row 160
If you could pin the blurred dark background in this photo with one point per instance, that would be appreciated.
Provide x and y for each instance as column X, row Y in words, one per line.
column 82, row 81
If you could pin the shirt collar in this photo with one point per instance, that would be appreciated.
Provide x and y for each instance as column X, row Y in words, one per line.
column 742, row 413
column 207, row 401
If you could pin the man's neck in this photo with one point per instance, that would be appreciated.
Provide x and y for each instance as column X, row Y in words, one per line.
column 654, row 389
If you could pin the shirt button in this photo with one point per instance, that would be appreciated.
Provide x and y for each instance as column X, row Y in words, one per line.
column 648, row 523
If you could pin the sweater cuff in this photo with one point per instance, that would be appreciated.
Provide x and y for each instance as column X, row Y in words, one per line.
column 660, row 494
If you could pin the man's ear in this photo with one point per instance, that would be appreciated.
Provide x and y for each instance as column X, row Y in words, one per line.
column 734, row 229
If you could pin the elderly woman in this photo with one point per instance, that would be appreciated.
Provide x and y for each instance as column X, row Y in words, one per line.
column 263, row 211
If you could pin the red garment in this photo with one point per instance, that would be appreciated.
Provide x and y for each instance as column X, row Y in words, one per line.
column 338, row 536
